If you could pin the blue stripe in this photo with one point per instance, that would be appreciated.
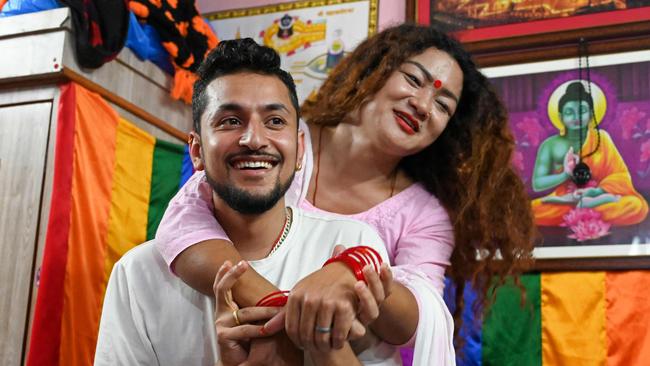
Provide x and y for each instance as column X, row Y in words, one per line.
column 470, row 332
column 187, row 169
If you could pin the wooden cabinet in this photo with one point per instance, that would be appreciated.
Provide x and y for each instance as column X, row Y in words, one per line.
column 36, row 56
column 24, row 130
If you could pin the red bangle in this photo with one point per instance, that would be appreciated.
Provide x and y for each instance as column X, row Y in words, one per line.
column 356, row 258
column 274, row 299
column 356, row 267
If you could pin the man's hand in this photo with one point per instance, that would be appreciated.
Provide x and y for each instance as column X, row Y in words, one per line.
column 232, row 324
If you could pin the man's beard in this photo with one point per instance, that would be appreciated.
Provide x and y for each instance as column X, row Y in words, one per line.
column 247, row 203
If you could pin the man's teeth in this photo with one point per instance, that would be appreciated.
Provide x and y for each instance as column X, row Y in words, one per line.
column 253, row 164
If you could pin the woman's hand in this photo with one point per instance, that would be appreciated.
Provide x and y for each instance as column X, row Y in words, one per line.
column 372, row 295
column 323, row 308
column 233, row 327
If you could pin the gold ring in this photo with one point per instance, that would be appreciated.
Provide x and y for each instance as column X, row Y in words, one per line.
column 234, row 315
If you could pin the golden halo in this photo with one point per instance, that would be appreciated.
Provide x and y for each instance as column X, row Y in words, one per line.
column 600, row 103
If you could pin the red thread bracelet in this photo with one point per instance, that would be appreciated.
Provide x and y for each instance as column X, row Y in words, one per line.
column 274, row 299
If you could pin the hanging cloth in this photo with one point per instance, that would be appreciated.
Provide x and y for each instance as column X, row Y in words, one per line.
column 183, row 33
column 18, row 7
column 100, row 29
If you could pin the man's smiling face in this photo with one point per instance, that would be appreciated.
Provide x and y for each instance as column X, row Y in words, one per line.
column 249, row 141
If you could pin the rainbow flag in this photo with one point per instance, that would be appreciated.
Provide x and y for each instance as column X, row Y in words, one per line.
column 566, row 318
column 112, row 183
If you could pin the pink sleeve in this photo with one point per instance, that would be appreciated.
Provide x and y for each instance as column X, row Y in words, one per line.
column 427, row 240
column 188, row 219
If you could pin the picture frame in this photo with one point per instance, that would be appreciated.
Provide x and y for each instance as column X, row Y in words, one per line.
column 620, row 88
column 608, row 31
column 310, row 36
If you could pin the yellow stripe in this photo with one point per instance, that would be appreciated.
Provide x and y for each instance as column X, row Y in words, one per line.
column 573, row 319
column 127, row 225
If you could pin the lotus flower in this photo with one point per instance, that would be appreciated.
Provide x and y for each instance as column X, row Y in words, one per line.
column 629, row 120
column 586, row 224
column 518, row 161
column 645, row 151
column 532, row 129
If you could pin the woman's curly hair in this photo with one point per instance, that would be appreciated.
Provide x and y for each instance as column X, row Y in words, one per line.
column 468, row 167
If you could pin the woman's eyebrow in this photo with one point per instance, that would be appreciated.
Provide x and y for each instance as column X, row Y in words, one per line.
column 419, row 66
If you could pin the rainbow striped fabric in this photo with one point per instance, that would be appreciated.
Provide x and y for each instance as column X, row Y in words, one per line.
column 566, row 318
column 112, row 183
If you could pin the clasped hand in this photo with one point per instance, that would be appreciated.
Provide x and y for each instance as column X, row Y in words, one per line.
column 324, row 311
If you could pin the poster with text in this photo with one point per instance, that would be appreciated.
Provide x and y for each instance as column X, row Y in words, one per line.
column 310, row 36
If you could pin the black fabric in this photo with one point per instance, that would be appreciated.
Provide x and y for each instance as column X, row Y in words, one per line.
column 100, row 29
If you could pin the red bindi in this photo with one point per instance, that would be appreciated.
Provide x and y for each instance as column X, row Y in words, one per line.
column 437, row 84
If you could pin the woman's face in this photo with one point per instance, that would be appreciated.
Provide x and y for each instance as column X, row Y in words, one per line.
column 575, row 114
column 414, row 106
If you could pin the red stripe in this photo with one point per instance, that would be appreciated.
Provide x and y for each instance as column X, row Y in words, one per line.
column 424, row 12
column 554, row 25
column 46, row 328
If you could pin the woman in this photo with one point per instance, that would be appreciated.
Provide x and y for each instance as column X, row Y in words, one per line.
column 410, row 137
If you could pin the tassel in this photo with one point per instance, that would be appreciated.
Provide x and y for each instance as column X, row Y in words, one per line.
column 183, row 84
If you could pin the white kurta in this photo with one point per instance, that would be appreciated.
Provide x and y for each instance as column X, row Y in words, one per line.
column 150, row 317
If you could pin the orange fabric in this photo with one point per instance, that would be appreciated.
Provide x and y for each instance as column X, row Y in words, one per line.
column 202, row 27
column 2, row 3
column 171, row 48
column 182, row 29
column 93, row 162
column 139, row 9
column 628, row 318
column 611, row 173
column 573, row 318
column 183, row 83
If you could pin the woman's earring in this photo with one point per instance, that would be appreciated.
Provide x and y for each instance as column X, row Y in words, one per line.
column 298, row 166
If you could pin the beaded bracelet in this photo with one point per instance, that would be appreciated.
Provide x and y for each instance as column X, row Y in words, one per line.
column 274, row 299
column 356, row 258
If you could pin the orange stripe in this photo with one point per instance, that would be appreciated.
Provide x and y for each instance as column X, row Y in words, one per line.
column 94, row 154
column 628, row 318
column 573, row 318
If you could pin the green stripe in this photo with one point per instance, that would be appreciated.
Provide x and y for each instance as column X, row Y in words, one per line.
column 165, row 177
column 512, row 332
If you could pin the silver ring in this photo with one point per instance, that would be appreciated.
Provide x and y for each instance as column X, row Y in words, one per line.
column 320, row 329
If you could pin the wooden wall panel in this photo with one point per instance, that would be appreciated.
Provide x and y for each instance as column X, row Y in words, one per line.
column 24, row 131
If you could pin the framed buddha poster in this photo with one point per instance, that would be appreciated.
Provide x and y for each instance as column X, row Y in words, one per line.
column 593, row 111
column 310, row 36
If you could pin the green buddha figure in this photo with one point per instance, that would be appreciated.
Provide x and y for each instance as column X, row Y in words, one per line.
column 610, row 190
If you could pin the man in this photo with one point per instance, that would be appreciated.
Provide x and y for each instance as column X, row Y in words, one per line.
column 248, row 142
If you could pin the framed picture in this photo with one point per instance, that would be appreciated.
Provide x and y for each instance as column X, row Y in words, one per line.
column 595, row 111
column 310, row 36
column 502, row 32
